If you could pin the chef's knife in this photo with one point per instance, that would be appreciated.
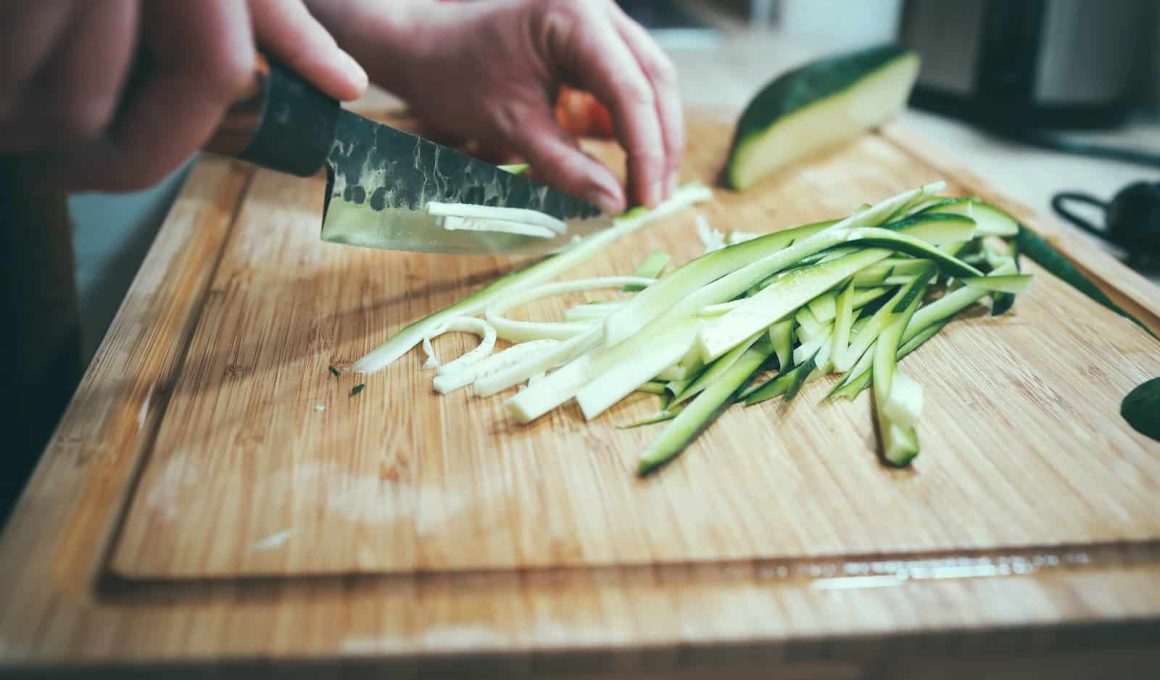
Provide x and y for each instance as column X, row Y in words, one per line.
column 380, row 179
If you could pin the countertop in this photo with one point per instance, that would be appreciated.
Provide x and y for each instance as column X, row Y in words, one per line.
column 722, row 69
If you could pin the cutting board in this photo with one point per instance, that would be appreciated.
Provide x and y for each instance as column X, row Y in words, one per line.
column 215, row 499
column 265, row 464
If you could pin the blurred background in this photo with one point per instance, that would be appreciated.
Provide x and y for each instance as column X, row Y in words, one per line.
column 1040, row 96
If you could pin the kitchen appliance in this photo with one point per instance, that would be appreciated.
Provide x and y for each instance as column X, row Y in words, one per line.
column 1131, row 220
column 1030, row 63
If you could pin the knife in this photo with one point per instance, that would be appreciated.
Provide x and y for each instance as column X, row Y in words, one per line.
column 380, row 180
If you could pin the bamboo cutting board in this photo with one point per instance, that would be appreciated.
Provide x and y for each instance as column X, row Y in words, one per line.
column 197, row 509
column 265, row 465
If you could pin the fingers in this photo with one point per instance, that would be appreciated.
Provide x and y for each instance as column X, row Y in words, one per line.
column 28, row 33
column 203, row 58
column 287, row 30
column 603, row 64
column 558, row 161
column 663, row 76
column 47, row 50
column 88, row 76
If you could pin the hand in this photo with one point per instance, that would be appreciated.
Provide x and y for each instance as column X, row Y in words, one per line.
column 489, row 71
column 65, row 67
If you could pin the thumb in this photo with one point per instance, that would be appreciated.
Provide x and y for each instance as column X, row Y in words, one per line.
column 287, row 31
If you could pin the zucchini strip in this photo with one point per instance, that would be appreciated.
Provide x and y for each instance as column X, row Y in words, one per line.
column 640, row 358
column 459, row 223
column 744, row 265
column 703, row 410
column 516, row 330
column 843, row 322
column 490, row 213
column 467, row 324
column 893, row 395
column 859, row 380
column 540, row 272
column 779, row 299
column 713, row 372
column 449, row 381
column 562, row 353
column 651, row 268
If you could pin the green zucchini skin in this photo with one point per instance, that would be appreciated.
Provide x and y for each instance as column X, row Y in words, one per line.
column 806, row 87
column 1141, row 408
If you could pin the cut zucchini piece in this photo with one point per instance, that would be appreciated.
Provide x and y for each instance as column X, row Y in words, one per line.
column 713, row 372
column 1009, row 283
column 703, row 410
column 819, row 105
column 540, row 272
column 779, row 300
column 898, row 435
column 991, row 220
column 651, row 268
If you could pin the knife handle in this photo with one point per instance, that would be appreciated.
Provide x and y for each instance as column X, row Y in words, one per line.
column 282, row 122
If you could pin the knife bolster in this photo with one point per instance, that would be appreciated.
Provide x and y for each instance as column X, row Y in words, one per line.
column 284, row 124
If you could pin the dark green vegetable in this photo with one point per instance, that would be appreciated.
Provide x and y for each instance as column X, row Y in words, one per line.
column 357, row 388
column 787, row 383
column 1034, row 247
column 334, row 371
column 1141, row 408
column 817, row 105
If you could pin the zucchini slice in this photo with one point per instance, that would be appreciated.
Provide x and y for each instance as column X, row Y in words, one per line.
column 819, row 105
column 703, row 409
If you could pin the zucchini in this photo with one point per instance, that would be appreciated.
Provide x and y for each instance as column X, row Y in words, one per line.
column 787, row 383
column 651, row 268
column 540, row 272
column 836, row 297
column 1141, row 408
column 703, row 409
column 713, row 372
column 724, row 274
column 991, row 220
column 819, row 105
column 894, row 394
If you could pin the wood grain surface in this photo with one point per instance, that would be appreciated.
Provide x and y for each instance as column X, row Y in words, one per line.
column 266, row 465
column 197, row 510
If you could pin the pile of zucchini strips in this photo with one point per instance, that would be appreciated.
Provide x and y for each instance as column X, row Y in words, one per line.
column 755, row 318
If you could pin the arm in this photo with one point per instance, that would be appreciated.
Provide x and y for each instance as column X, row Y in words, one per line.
column 490, row 70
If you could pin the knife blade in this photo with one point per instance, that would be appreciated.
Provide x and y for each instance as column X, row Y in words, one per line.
column 380, row 179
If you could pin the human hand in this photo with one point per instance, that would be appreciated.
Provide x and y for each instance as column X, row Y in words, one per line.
column 489, row 71
column 65, row 67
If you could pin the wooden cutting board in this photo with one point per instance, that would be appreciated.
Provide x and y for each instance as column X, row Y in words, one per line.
column 265, row 464
column 214, row 493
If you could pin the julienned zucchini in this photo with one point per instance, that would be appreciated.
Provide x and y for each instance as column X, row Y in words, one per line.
column 819, row 105
column 847, row 296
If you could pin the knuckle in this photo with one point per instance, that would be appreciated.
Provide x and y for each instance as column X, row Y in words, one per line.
column 229, row 76
column 645, row 155
column 634, row 93
column 561, row 16
column 663, row 72
column 76, row 122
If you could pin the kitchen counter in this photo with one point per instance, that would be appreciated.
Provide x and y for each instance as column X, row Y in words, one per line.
column 722, row 69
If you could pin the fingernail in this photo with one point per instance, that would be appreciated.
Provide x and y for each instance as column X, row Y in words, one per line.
column 354, row 71
column 608, row 201
column 656, row 193
column 673, row 180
